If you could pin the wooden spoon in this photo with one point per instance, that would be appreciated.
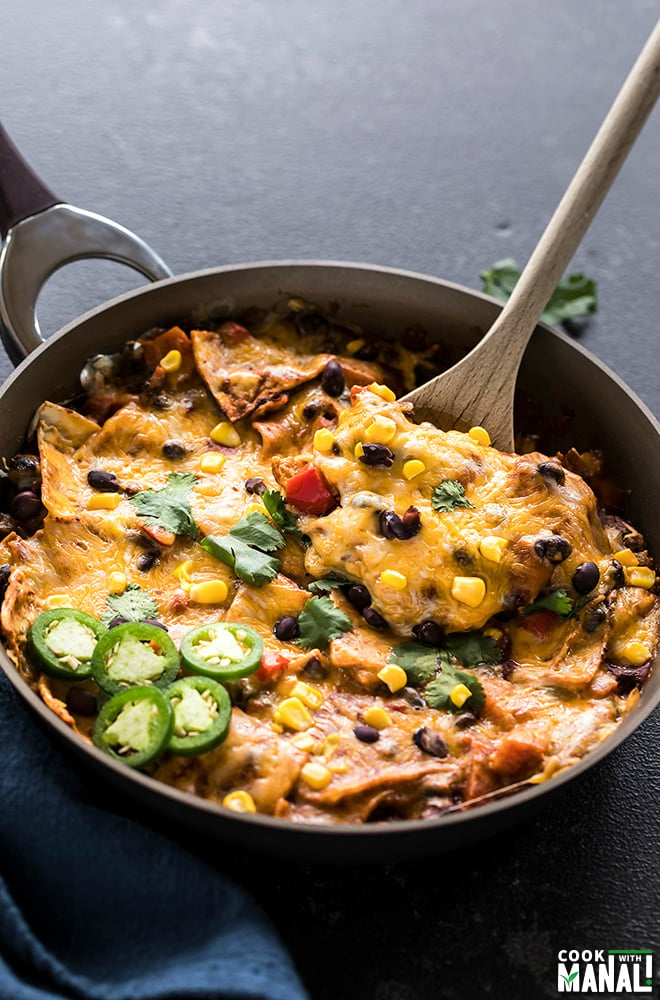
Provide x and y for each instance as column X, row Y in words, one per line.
column 479, row 389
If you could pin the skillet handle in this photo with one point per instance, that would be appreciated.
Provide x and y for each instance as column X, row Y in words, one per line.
column 42, row 234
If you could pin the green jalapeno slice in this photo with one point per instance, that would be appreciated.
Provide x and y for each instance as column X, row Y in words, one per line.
column 222, row 650
column 62, row 642
column 202, row 713
column 134, row 654
column 135, row 726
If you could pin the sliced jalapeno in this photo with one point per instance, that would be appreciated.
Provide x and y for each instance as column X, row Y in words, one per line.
column 135, row 726
column 134, row 654
column 202, row 713
column 62, row 642
column 222, row 650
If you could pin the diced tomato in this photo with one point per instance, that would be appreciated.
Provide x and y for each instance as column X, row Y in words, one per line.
column 541, row 623
column 233, row 333
column 160, row 535
column 309, row 493
column 271, row 663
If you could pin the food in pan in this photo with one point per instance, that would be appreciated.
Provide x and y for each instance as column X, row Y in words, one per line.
column 240, row 565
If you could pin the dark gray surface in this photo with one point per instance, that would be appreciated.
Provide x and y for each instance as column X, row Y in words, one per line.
column 436, row 136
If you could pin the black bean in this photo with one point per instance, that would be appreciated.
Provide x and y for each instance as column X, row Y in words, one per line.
column 255, row 485
column 554, row 548
column 379, row 456
column 314, row 669
column 554, row 471
column 508, row 667
column 463, row 557
column 147, row 561
column 413, row 698
column 616, row 574
column 372, row 618
column 465, row 720
column 24, row 472
column 367, row 353
column 393, row 526
column 25, row 506
column 285, row 629
column 332, row 379
column 79, row 701
column 586, row 577
column 367, row 734
column 174, row 450
column 104, row 482
column 629, row 677
column 143, row 540
column 429, row 633
column 155, row 623
column 412, row 521
column 359, row 596
column 430, row 742
column 118, row 620
column 310, row 411
column 162, row 401
column 5, row 572
column 594, row 617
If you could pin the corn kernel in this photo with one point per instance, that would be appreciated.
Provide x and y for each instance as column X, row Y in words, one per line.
column 316, row 775
column 459, row 695
column 492, row 547
column 277, row 728
column 172, row 361
column 104, row 501
column 239, row 802
column 377, row 717
column 308, row 695
column 259, row 507
column 292, row 713
column 303, row 741
column 639, row 576
column 209, row 592
column 480, row 435
column 58, row 601
column 211, row 462
column 330, row 744
column 358, row 451
column 117, row 583
column 394, row 676
column 207, row 489
column 324, row 439
column 636, row 653
column 184, row 570
column 392, row 578
column 383, row 391
column 494, row 633
column 626, row 557
column 353, row 346
column 381, row 430
column 469, row 590
column 414, row 467
column 224, row 433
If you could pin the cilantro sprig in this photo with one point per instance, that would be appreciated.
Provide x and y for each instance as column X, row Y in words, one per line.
column 134, row 604
column 275, row 504
column 246, row 548
column 327, row 583
column 319, row 622
column 436, row 671
column 169, row 507
column 575, row 296
column 449, row 495
column 557, row 601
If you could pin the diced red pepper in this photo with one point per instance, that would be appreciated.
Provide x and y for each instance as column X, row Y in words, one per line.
column 309, row 493
column 271, row 663
column 541, row 623
column 159, row 534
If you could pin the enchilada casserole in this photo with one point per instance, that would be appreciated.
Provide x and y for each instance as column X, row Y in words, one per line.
column 240, row 565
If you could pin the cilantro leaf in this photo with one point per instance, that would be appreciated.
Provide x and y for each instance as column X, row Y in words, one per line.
column 327, row 583
column 245, row 549
column 256, row 529
column 558, row 601
column 438, row 692
column 419, row 662
column 449, row 495
column 168, row 507
column 472, row 648
column 250, row 565
column 275, row 504
column 134, row 604
column 575, row 295
column 319, row 622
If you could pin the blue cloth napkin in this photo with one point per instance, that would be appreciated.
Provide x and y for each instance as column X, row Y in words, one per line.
column 94, row 906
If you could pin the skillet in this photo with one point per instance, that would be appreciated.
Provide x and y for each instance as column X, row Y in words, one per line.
column 42, row 234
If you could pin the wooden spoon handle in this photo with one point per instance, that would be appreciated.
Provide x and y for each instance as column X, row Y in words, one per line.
column 480, row 388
